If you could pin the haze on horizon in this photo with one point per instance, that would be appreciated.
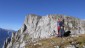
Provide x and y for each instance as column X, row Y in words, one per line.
column 13, row 12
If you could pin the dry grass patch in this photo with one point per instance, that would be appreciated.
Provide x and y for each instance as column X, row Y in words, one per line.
column 57, row 41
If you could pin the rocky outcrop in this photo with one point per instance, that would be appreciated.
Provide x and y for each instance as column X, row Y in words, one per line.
column 39, row 27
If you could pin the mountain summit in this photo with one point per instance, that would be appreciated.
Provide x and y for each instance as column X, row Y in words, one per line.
column 37, row 28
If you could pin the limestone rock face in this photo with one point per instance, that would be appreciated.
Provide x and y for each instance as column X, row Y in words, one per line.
column 39, row 27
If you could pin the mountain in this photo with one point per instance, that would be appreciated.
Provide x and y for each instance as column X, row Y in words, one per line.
column 4, row 33
column 39, row 28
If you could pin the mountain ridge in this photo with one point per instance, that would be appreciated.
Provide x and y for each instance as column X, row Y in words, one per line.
column 36, row 28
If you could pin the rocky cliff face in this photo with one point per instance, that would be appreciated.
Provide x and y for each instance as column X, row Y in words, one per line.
column 40, row 27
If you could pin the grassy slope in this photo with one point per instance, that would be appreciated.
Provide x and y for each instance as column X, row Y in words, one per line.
column 57, row 41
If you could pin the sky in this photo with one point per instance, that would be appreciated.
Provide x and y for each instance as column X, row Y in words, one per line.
column 13, row 12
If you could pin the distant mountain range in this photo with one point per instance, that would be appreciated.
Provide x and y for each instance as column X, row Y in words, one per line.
column 4, row 33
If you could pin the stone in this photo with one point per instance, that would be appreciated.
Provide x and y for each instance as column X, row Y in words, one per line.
column 70, row 46
column 83, row 46
column 56, row 47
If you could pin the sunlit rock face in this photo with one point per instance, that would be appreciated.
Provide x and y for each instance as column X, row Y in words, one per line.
column 37, row 27
column 75, row 25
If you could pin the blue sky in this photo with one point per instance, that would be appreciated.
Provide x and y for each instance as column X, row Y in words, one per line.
column 13, row 12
